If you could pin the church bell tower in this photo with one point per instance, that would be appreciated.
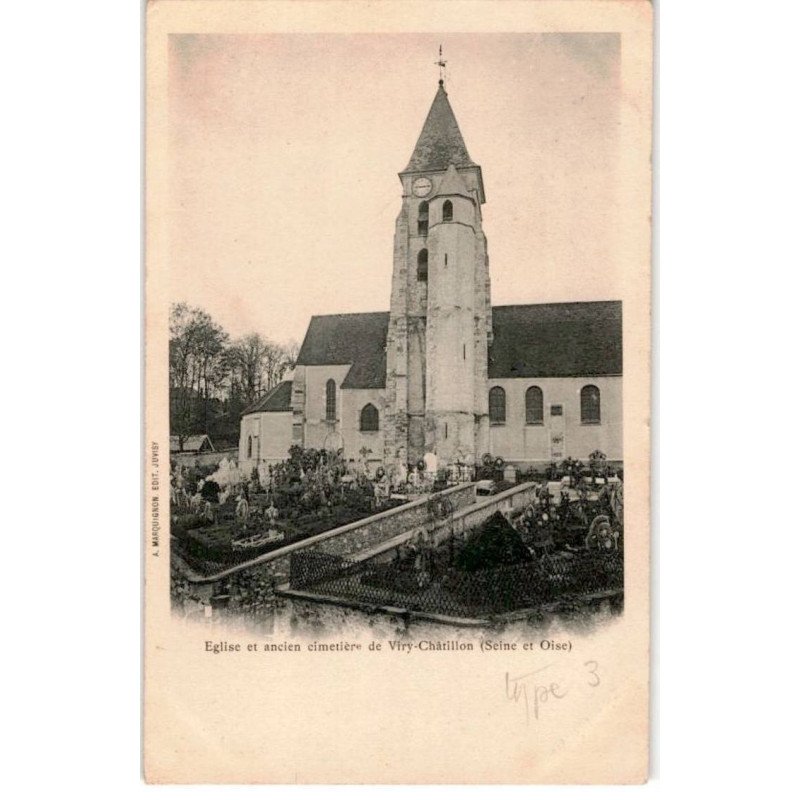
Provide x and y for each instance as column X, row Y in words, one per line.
column 440, row 313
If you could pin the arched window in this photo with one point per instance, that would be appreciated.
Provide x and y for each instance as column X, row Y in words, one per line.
column 447, row 211
column 497, row 405
column 249, row 446
column 330, row 400
column 369, row 418
column 534, row 406
column 422, row 265
column 590, row 404
column 422, row 219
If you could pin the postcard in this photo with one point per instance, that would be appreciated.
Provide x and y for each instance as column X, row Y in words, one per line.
column 397, row 419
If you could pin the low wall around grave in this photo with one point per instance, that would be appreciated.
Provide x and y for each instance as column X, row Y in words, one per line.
column 347, row 540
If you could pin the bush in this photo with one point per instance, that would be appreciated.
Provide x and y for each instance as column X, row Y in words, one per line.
column 210, row 491
column 493, row 544
column 213, row 542
column 188, row 522
column 360, row 498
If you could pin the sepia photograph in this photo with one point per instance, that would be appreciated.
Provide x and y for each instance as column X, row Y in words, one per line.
column 396, row 334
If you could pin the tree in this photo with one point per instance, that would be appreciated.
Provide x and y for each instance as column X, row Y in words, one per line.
column 256, row 365
column 196, row 367
column 291, row 352
column 212, row 379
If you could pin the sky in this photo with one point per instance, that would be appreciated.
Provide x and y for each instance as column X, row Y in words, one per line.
column 285, row 149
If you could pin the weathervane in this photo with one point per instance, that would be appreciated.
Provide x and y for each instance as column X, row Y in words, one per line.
column 442, row 64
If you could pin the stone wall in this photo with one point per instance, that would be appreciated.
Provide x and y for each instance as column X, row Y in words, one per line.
column 348, row 540
column 359, row 536
column 342, row 620
column 203, row 459
column 510, row 503
column 375, row 537
column 534, row 445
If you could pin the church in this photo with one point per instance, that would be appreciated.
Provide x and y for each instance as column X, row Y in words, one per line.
column 444, row 372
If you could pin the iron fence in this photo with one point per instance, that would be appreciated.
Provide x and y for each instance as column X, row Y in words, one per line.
column 456, row 593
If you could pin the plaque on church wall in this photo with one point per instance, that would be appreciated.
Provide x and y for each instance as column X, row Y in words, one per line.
column 397, row 337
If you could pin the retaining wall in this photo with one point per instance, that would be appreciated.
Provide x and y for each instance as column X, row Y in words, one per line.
column 208, row 459
column 510, row 504
column 348, row 540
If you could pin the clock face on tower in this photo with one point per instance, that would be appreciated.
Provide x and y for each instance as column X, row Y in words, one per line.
column 421, row 187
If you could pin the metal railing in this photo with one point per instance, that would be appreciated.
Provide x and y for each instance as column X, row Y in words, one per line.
column 450, row 592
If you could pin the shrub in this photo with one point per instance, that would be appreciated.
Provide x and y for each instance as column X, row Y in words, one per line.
column 188, row 522
column 210, row 491
column 493, row 544
column 213, row 542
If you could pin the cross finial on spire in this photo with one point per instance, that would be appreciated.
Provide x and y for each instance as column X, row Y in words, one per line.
column 442, row 64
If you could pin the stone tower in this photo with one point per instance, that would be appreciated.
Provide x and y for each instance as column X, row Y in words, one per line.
column 440, row 318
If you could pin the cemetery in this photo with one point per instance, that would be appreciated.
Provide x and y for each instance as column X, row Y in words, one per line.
column 226, row 518
column 314, row 528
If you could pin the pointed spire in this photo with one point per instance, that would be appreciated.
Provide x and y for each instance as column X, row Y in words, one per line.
column 440, row 143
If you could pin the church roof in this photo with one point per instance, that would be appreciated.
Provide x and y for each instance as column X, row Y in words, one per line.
column 440, row 143
column 453, row 183
column 191, row 444
column 357, row 339
column 556, row 340
column 278, row 398
column 549, row 340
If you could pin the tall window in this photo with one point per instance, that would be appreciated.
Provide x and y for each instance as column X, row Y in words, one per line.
column 590, row 404
column 369, row 418
column 330, row 400
column 422, row 265
column 249, row 446
column 534, row 406
column 497, row 405
column 422, row 219
column 447, row 211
